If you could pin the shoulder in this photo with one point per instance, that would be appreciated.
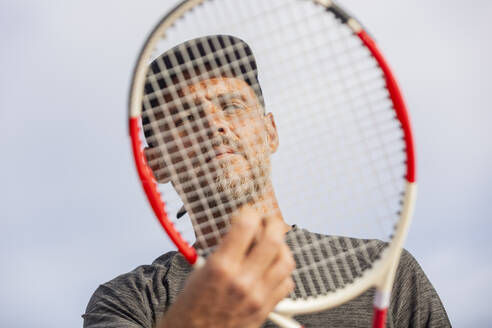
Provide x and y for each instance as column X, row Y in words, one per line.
column 410, row 278
column 135, row 297
column 133, row 282
column 414, row 301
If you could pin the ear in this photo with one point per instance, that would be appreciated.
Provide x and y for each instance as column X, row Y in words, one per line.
column 156, row 163
column 272, row 134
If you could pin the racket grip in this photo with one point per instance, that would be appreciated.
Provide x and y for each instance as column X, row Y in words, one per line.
column 283, row 321
column 379, row 317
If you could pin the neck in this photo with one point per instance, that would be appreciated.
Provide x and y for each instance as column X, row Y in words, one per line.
column 267, row 206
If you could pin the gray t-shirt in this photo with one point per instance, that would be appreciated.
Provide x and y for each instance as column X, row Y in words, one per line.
column 139, row 298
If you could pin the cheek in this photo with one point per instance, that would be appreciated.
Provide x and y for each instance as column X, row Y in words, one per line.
column 254, row 139
column 252, row 134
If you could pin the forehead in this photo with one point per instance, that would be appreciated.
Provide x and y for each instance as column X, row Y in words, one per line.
column 213, row 87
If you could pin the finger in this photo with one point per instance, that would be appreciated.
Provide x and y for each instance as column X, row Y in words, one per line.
column 277, row 282
column 279, row 293
column 267, row 248
column 244, row 229
column 281, row 269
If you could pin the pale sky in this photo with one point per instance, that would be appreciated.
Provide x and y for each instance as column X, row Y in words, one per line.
column 72, row 211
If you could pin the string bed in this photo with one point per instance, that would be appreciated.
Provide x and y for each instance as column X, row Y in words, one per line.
column 340, row 165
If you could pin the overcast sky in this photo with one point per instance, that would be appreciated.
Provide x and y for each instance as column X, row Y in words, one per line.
column 73, row 214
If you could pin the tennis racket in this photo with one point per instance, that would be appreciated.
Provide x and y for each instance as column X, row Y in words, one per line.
column 345, row 166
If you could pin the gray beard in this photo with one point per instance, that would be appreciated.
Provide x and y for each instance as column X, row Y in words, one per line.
column 242, row 189
column 228, row 192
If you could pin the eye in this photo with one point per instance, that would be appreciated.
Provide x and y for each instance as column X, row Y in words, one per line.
column 228, row 107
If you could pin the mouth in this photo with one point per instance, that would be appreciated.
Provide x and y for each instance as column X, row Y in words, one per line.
column 220, row 153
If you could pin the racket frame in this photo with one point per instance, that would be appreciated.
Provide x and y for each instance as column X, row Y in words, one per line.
column 382, row 273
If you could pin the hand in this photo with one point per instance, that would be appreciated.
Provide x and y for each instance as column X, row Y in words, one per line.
column 241, row 282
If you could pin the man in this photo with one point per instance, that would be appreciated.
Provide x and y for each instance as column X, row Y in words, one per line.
column 209, row 136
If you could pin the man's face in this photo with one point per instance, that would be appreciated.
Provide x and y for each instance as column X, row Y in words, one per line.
column 219, row 141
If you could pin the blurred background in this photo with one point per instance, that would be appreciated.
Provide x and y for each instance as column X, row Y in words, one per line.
column 72, row 213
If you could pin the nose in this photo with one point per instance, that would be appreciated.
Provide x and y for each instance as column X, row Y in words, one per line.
column 220, row 129
column 216, row 123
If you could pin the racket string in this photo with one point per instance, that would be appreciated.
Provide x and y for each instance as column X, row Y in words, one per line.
column 350, row 115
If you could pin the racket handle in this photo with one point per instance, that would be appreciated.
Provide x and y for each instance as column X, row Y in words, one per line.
column 283, row 321
column 379, row 317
